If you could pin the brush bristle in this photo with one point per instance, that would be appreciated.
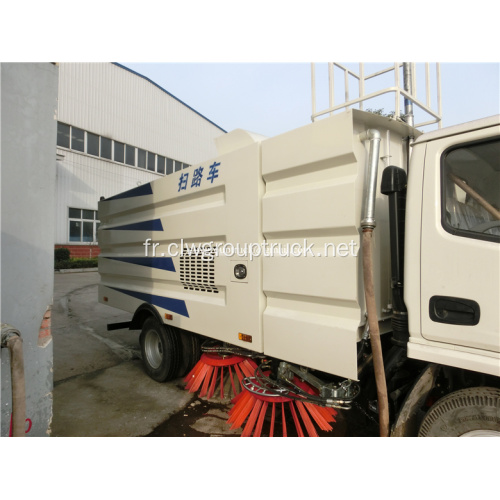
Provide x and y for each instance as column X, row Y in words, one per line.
column 252, row 408
column 214, row 369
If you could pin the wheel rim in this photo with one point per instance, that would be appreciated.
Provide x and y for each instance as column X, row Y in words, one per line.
column 153, row 349
column 481, row 433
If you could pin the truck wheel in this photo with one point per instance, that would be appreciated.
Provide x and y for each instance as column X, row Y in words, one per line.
column 468, row 412
column 160, row 350
column 191, row 351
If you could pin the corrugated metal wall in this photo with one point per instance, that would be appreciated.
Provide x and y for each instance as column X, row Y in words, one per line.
column 110, row 101
column 82, row 180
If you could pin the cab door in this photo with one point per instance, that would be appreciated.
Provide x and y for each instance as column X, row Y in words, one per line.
column 460, row 246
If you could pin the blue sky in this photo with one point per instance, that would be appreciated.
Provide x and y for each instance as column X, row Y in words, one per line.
column 271, row 98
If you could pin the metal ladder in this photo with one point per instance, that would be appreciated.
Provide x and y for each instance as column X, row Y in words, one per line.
column 408, row 91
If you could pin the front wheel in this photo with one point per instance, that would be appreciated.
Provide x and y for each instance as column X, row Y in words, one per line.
column 160, row 350
column 467, row 412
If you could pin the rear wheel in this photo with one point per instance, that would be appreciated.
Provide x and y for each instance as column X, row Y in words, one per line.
column 468, row 412
column 191, row 351
column 160, row 350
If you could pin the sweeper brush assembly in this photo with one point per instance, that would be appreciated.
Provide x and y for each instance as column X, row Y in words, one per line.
column 256, row 401
column 213, row 371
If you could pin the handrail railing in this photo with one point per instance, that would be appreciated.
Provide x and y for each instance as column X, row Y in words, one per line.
column 435, row 116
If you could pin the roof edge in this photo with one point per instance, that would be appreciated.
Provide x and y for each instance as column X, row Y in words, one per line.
column 167, row 92
column 489, row 121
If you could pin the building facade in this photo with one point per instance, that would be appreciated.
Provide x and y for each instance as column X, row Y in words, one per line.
column 116, row 130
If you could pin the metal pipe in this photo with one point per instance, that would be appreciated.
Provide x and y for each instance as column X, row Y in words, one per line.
column 427, row 85
column 346, row 85
column 438, row 81
column 361, row 83
column 11, row 338
column 368, row 219
column 313, row 91
column 408, row 88
column 331, row 86
column 368, row 224
column 397, row 113
column 413, row 69
column 346, row 70
column 382, row 71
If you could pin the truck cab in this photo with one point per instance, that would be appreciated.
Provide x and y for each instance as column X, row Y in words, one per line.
column 451, row 290
column 452, row 261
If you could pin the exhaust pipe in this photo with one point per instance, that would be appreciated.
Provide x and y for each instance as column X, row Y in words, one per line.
column 372, row 135
column 368, row 225
column 11, row 338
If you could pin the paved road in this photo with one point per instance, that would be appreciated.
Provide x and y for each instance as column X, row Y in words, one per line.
column 100, row 388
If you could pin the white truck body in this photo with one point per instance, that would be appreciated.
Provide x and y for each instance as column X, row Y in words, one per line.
column 302, row 192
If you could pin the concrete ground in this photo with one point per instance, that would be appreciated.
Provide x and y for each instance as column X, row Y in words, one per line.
column 100, row 388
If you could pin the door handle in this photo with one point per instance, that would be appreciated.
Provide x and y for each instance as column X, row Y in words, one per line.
column 454, row 310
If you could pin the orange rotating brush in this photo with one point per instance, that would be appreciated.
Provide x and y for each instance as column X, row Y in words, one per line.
column 207, row 376
column 255, row 404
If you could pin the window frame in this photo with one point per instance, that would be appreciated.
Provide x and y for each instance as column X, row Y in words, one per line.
column 153, row 157
column 87, row 134
column 119, row 147
column 110, row 148
column 130, row 151
column 140, row 157
column 95, row 225
column 60, row 133
column 76, row 140
column 466, row 233
column 161, row 160
column 132, row 155
column 169, row 165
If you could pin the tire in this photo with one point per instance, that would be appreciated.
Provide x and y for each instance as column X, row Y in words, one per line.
column 191, row 352
column 160, row 349
column 468, row 412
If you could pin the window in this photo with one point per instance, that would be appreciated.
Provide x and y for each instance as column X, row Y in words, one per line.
column 77, row 139
column 185, row 165
column 471, row 190
column 151, row 161
column 92, row 144
column 63, row 135
column 130, row 155
column 83, row 225
column 106, row 148
column 160, row 167
column 170, row 166
column 119, row 152
column 75, row 213
column 141, row 158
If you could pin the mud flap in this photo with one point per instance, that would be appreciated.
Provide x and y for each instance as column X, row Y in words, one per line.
column 408, row 421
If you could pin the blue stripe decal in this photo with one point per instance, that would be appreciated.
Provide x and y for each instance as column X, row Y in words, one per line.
column 142, row 190
column 175, row 305
column 165, row 263
column 147, row 225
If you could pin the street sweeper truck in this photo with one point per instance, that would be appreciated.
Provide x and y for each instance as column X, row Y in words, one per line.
column 354, row 258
